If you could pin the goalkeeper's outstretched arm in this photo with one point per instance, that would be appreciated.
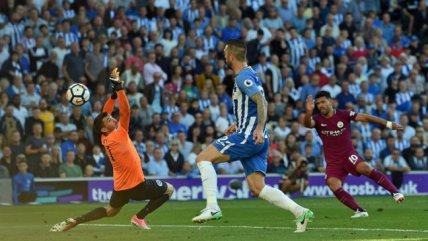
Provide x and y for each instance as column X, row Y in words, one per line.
column 124, row 108
column 109, row 106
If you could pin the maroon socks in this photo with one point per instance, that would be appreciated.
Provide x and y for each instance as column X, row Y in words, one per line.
column 383, row 181
column 347, row 199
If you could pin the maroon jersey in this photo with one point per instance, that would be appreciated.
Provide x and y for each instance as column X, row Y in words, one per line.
column 335, row 133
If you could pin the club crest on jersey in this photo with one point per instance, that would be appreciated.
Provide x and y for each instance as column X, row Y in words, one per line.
column 340, row 124
column 159, row 183
column 248, row 82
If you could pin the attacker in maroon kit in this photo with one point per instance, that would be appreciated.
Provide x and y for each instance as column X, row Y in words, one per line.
column 334, row 128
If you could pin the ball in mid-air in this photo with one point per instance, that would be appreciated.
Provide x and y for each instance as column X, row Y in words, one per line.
column 78, row 94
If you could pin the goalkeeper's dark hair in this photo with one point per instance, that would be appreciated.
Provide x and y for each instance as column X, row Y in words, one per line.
column 98, row 124
column 238, row 48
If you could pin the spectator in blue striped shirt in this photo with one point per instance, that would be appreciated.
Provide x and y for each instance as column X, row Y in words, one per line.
column 375, row 142
column 296, row 46
column 403, row 97
column 400, row 142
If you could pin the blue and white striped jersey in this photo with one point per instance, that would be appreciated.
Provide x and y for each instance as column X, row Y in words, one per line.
column 247, row 84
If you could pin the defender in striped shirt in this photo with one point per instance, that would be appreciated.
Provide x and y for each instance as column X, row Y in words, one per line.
column 246, row 141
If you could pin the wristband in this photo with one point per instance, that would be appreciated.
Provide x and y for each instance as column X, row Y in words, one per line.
column 389, row 124
column 114, row 79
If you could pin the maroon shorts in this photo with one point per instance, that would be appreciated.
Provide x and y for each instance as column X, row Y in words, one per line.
column 341, row 169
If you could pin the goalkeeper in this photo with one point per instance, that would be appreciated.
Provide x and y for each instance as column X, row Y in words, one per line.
column 128, row 177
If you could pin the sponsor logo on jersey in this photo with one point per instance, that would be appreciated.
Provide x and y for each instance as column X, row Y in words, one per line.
column 248, row 82
column 333, row 132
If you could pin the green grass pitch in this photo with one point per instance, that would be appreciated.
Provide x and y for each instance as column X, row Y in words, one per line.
column 243, row 220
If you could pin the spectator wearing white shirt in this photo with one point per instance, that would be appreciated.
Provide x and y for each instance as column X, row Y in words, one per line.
column 184, row 145
column 4, row 52
column 359, row 74
column 335, row 31
column 281, row 131
column 408, row 131
column 133, row 75
column 223, row 121
column 333, row 88
column 385, row 69
column 199, row 49
column 31, row 97
column 117, row 24
column 214, row 107
column 397, row 166
column 133, row 94
column 60, row 50
column 186, row 118
column 19, row 111
column 191, row 158
column 168, row 42
column 273, row 20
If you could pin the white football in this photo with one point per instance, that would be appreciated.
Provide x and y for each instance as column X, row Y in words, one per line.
column 78, row 94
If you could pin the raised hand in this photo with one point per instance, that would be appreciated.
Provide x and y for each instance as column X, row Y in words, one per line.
column 115, row 80
column 309, row 104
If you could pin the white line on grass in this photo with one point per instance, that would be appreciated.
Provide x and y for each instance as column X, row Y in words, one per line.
column 261, row 227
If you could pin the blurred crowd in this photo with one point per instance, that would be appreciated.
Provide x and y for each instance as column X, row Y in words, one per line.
column 371, row 55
